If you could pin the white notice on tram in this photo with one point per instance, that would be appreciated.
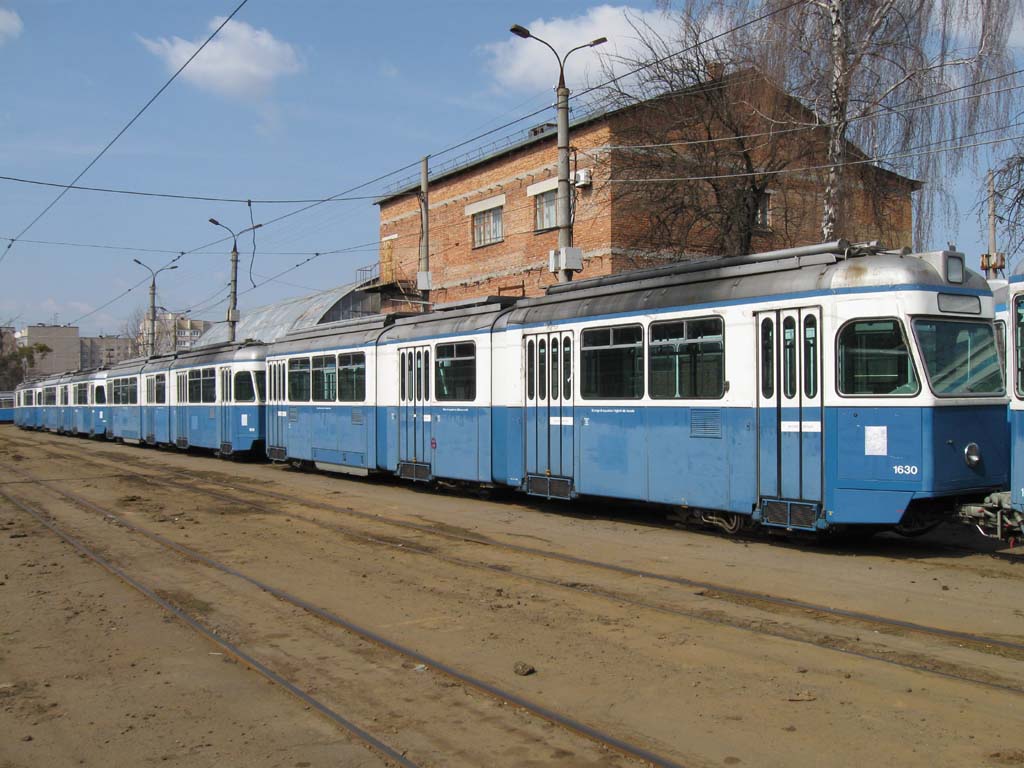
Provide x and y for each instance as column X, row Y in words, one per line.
column 876, row 441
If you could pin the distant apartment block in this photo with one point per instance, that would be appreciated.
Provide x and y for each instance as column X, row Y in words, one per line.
column 69, row 351
column 174, row 332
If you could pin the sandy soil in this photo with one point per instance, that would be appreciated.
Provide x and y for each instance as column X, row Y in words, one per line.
column 687, row 673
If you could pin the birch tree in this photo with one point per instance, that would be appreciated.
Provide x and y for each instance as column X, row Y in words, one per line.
column 911, row 82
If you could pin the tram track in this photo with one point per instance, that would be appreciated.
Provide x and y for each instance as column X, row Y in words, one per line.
column 712, row 589
column 900, row 658
column 232, row 650
column 504, row 696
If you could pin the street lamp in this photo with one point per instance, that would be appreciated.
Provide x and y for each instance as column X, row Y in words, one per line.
column 233, row 303
column 152, row 299
column 562, row 201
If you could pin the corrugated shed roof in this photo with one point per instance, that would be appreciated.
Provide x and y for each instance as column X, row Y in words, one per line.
column 274, row 321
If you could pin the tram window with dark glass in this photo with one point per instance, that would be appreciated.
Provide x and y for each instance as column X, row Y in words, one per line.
column 325, row 379
column 244, row 390
column 686, row 359
column 352, row 378
column 455, row 372
column 612, row 363
column 960, row 357
column 873, row 359
column 298, row 380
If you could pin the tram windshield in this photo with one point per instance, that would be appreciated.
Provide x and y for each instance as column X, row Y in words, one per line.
column 960, row 356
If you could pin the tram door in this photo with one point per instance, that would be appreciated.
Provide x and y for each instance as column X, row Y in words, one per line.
column 181, row 411
column 789, row 414
column 548, row 414
column 277, row 410
column 414, row 418
column 224, row 410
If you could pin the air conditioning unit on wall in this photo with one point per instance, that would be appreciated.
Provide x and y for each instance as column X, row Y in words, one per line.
column 583, row 178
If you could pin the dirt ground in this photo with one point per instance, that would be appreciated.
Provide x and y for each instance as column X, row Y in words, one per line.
column 94, row 673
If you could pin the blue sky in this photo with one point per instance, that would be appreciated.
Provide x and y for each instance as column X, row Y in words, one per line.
column 299, row 99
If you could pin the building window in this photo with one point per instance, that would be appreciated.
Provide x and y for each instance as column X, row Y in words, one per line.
column 763, row 216
column 546, row 217
column 487, row 227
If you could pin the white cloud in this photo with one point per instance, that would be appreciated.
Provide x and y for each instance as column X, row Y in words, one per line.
column 528, row 65
column 10, row 25
column 241, row 61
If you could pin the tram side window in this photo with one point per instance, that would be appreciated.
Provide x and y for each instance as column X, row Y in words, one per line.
column 195, row 386
column 531, row 371
column 209, row 386
column 352, row 378
column 767, row 358
column 260, row 378
column 873, row 359
column 401, row 376
column 30, row 398
column 789, row 357
column 612, row 363
column 325, row 379
column 456, row 371
column 811, row 356
column 81, row 394
column 161, row 389
column 1001, row 341
column 298, row 380
column 100, row 394
column 687, row 360
column 567, row 369
column 1018, row 342
column 244, row 391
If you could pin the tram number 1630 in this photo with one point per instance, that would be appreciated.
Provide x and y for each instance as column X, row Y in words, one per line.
column 904, row 469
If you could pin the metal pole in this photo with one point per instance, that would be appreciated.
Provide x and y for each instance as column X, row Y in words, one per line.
column 423, row 279
column 233, row 303
column 562, row 211
column 152, row 316
column 990, row 271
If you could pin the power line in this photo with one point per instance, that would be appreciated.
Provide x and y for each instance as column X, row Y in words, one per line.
column 864, row 161
column 120, row 133
column 172, row 196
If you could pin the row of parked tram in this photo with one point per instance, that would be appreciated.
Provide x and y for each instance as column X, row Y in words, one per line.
column 821, row 388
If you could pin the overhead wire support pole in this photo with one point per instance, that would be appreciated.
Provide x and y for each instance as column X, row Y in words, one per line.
column 152, row 300
column 423, row 281
column 563, row 214
column 233, row 300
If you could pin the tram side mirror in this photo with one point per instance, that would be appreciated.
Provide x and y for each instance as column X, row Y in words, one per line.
column 725, row 388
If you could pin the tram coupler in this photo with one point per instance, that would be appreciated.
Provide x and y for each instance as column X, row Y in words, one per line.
column 995, row 517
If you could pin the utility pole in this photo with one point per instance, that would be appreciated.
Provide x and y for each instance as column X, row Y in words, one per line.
column 152, row 300
column 423, row 280
column 993, row 261
column 233, row 300
column 567, row 258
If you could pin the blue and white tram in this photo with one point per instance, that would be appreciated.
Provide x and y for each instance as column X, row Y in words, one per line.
column 125, row 416
column 807, row 389
column 88, row 403
column 1001, row 515
column 215, row 398
column 320, row 408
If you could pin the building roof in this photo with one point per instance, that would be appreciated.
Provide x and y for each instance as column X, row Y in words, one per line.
column 274, row 321
column 486, row 155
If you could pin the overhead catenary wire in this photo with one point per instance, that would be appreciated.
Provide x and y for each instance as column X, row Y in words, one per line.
column 173, row 196
column 120, row 133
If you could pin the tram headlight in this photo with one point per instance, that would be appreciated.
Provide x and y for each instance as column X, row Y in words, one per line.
column 972, row 455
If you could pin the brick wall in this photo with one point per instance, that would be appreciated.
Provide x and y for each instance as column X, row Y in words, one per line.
column 607, row 226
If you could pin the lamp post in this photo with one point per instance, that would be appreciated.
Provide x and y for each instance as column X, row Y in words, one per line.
column 562, row 216
column 152, row 300
column 233, row 303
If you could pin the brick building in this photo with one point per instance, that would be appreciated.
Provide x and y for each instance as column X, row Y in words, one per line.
column 492, row 220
